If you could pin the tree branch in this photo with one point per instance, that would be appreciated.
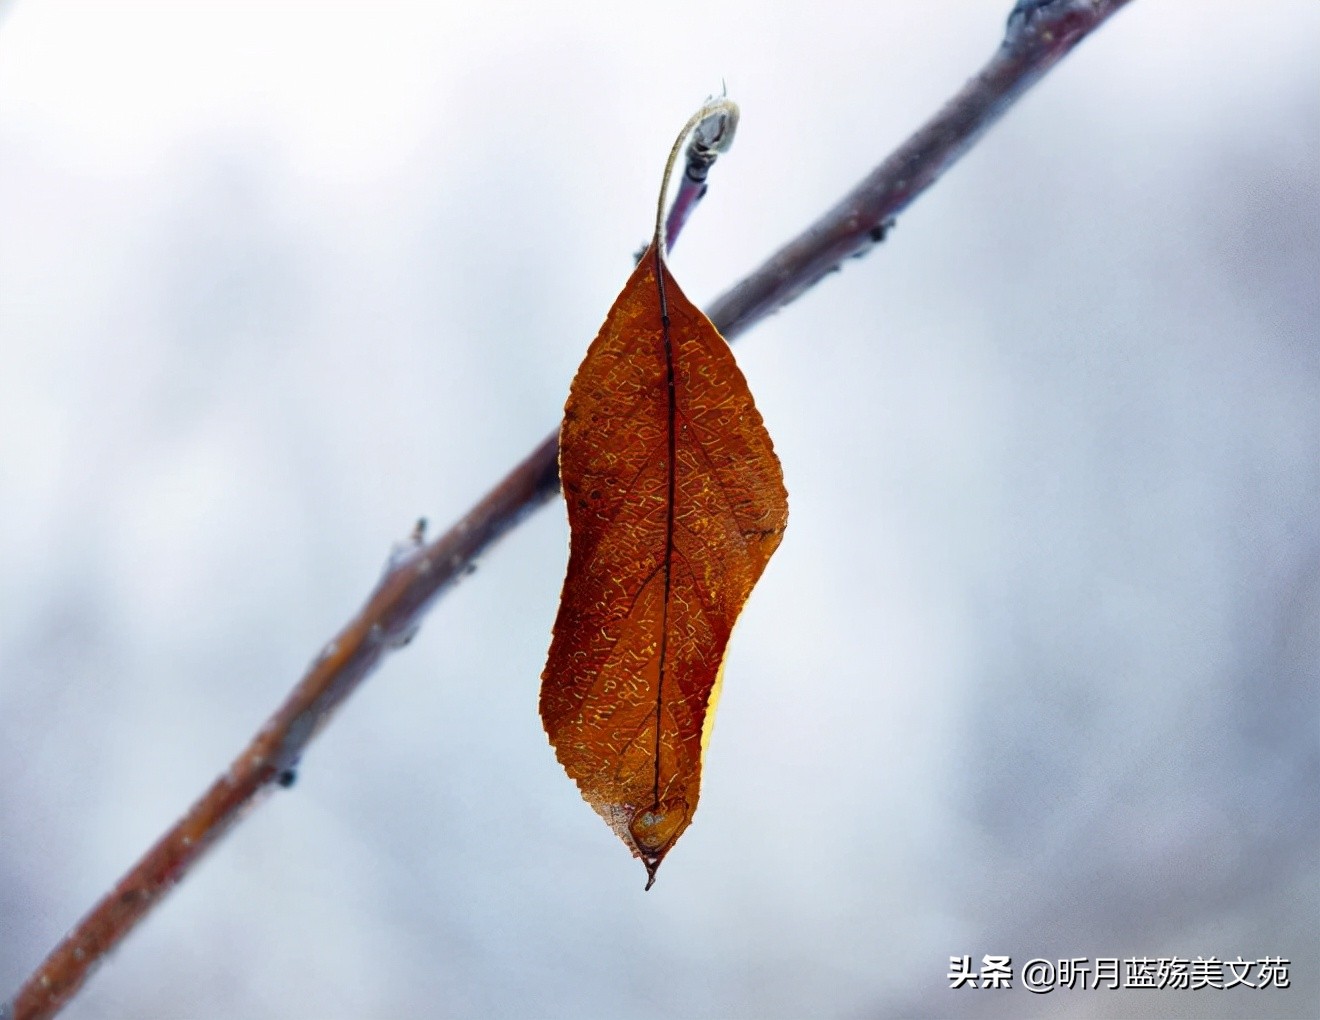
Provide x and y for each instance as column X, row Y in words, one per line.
column 711, row 137
column 1039, row 33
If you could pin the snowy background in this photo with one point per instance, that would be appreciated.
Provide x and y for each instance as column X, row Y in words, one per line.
column 1036, row 670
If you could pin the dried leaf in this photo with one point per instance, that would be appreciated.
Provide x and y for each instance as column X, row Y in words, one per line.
column 675, row 503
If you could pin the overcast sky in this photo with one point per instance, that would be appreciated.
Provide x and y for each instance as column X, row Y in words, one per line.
column 1034, row 672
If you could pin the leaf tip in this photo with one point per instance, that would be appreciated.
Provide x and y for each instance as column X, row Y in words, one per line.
column 654, row 830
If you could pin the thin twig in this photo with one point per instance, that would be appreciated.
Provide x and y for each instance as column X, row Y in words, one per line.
column 1039, row 34
column 709, row 138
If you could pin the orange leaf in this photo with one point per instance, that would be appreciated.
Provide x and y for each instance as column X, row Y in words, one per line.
column 675, row 503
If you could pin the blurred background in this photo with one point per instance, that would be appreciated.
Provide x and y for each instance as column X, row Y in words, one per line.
column 1034, row 673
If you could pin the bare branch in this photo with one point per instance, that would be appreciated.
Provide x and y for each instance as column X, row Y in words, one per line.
column 711, row 137
column 1039, row 34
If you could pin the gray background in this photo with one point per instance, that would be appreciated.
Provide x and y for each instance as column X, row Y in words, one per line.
column 1033, row 673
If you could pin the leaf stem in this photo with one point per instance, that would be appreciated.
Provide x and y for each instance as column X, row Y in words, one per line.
column 712, row 129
